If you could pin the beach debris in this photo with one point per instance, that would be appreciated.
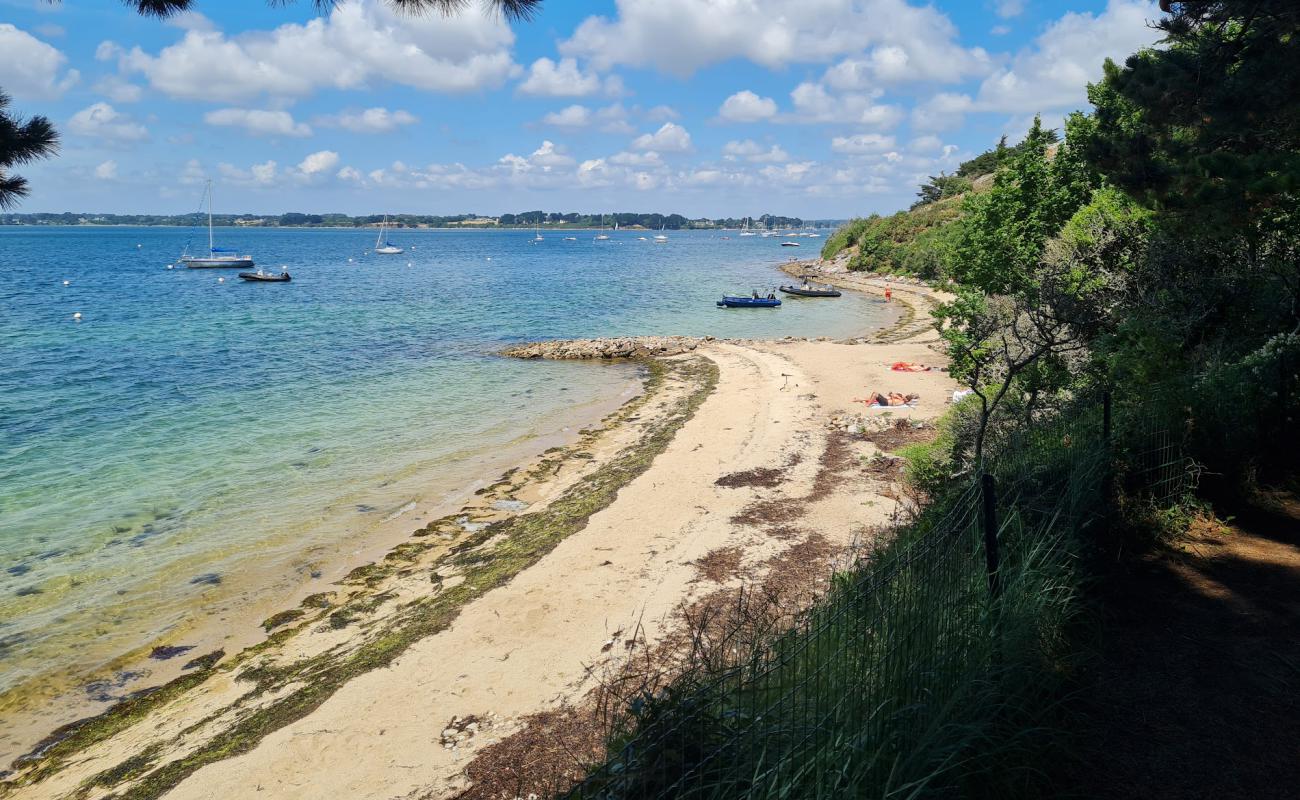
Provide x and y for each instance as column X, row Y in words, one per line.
column 205, row 661
column 461, row 729
column 615, row 347
column 206, row 579
column 164, row 652
column 509, row 504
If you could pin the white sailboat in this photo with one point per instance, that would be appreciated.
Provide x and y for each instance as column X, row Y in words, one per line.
column 661, row 238
column 602, row 236
column 537, row 233
column 217, row 257
column 746, row 231
column 382, row 245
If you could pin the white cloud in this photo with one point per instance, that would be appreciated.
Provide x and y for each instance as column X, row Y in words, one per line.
column 862, row 143
column 648, row 159
column 357, row 45
column 941, row 112
column 102, row 121
column 1000, row 30
column 258, row 122
column 745, row 106
column 349, row 174
column 1054, row 73
column 550, row 155
column 547, row 78
column 107, row 171
column 671, row 138
column 750, row 150
column 574, row 116
column 263, row 174
column 662, row 114
column 813, row 104
column 118, row 90
column 32, row 68
column 925, row 144
column 681, row 36
column 371, row 120
column 1009, row 8
column 319, row 162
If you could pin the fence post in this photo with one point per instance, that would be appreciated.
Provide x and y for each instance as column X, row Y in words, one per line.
column 991, row 535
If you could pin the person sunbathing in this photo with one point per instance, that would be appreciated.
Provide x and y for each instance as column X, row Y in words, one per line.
column 890, row 399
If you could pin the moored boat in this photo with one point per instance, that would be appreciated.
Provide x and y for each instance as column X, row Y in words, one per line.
column 265, row 277
column 810, row 290
column 217, row 257
column 753, row 301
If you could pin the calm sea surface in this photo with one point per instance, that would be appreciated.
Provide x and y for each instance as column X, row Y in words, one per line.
column 189, row 437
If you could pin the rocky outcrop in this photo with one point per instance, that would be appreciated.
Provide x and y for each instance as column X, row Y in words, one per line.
column 618, row 347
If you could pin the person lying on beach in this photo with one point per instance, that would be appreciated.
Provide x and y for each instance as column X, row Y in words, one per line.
column 891, row 399
column 909, row 366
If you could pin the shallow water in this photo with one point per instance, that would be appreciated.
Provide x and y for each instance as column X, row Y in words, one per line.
column 190, row 438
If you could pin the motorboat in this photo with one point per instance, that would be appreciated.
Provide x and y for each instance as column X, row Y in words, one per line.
column 262, row 276
column 789, row 244
column 753, row 301
column 807, row 289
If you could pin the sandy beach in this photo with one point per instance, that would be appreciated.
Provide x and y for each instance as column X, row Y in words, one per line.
column 395, row 680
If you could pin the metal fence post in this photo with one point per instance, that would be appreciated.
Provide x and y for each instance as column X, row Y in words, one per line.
column 991, row 534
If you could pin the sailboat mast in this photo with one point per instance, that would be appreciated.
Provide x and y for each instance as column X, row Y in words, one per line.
column 209, row 216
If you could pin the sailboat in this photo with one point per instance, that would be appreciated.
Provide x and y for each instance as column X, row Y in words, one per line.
column 382, row 246
column 537, row 233
column 217, row 257
column 661, row 237
column 602, row 236
column 747, row 231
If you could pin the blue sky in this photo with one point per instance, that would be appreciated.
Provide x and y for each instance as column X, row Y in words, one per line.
column 812, row 108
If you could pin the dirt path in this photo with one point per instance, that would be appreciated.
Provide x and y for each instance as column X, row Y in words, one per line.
column 1198, row 691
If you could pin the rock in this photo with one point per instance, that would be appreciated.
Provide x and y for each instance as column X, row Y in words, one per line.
column 597, row 349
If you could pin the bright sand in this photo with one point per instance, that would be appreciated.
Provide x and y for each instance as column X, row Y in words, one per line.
column 532, row 643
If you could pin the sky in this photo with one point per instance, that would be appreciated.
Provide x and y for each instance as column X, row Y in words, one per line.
column 810, row 108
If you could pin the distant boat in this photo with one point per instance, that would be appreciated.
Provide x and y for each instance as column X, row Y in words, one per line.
column 789, row 244
column 746, row 231
column 602, row 236
column 752, row 301
column 217, row 257
column 571, row 238
column 661, row 238
column 641, row 239
column 382, row 245
column 265, row 277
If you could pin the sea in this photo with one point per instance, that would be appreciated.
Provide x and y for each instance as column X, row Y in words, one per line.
column 177, row 446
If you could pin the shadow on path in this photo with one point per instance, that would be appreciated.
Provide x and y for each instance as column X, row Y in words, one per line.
column 1198, row 681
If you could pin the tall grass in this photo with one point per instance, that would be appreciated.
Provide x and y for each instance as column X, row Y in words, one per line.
column 908, row 679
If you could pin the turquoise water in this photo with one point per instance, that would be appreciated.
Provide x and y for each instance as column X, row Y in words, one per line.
column 190, row 438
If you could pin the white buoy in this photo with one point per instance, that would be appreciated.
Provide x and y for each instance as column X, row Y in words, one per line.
column 138, row 246
column 408, row 263
column 349, row 261
column 67, row 283
column 77, row 315
column 489, row 258
column 221, row 280
column 169, row 266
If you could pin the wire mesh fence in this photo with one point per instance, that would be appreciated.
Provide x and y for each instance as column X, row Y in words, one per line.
column 881, row 687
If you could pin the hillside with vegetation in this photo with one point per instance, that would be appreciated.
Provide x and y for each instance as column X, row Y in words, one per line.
column 1097, row 596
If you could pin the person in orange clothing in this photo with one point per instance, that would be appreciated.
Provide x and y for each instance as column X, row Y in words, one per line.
column 889, row 294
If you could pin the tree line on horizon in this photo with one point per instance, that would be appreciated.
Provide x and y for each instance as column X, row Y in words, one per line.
column 295, row 219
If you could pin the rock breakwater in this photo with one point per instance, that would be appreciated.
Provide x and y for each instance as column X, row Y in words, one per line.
column 615, row 347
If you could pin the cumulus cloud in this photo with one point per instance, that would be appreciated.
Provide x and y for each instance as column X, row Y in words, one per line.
column 941, row 112
column 574, row 116
column 102, row 121
column 1054, row 73
column 106, row 171
column 357, row 45
column 371, row 120
column 681, row 36
column 1009, row 8
column 862, row 143
column 32, row 68
column 258, row 122
column 813, row 104
column 750, row 150
column 118, row 90
column 563, row 78
column 671, row 138
column 745, row 106
column 319, row 162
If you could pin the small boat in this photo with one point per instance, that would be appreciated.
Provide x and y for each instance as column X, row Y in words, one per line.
column 602, row 236
column 382, row 245
column 217, row 257
column 789, row 244
column 807, row 289
column 265, row 277
column 571, row 238
column 728, row 301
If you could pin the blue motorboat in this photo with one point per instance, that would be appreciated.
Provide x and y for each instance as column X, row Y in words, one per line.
column 754, row 301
